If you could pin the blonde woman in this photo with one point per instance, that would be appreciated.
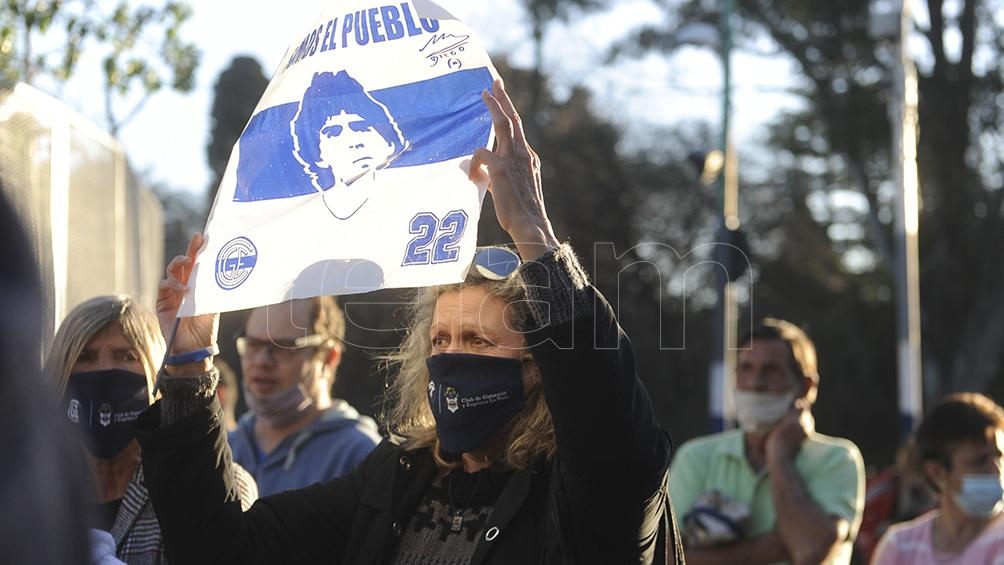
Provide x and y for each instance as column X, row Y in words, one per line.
column 103, row 361
column 520, row 432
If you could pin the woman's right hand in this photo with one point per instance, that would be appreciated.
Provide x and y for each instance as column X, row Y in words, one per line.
column 513, row 178
column 195, row 332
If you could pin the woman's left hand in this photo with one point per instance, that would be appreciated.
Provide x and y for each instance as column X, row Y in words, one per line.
column 514, row 179
column 194, row 332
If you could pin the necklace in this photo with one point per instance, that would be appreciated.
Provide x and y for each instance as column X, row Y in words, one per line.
column 458, row 511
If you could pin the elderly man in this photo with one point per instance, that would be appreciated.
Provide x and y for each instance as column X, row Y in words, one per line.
column 774, row 490
column 295, row 434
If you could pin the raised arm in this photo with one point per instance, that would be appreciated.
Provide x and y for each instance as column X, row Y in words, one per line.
column 514, row 179
column 189, row 471
column 190, row 386
column 574, row 333
column 613, row 456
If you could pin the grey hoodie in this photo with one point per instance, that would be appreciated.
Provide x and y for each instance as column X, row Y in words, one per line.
column 328, row 448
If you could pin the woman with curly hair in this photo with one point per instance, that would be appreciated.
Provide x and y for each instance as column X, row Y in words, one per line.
column 519, row 431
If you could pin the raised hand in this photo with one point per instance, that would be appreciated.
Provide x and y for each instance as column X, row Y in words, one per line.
column 786, row 439
column 514, row 178
column 194, row 332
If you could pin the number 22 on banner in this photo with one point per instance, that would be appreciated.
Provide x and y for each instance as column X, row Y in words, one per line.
column 435, row 241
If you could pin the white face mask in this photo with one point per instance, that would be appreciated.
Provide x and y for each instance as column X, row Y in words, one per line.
column 282, row 408
column 759, row 411
column 982, row 496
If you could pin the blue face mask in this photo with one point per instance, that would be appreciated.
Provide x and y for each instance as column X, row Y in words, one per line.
column 982, row 496
column 103, row 405
column 472, row 397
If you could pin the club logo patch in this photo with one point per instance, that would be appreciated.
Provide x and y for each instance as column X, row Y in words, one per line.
column 105, row 414
column 451, row 399
column 73, row 410
column 235, row 262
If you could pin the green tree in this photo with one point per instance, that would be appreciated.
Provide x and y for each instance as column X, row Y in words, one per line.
column 183, row 216
column 237, row 92
column 140, row 46
column 542, row 14
column 844, row 134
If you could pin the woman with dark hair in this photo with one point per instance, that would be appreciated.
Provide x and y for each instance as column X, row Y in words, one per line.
column 520, row 432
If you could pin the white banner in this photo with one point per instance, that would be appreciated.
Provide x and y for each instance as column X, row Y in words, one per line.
column 351, row 175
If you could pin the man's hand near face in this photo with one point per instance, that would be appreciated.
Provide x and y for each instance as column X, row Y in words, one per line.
column 807, row 531
column 785, row 440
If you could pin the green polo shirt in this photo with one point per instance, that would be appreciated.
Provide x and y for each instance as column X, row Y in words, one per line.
column 831, row 468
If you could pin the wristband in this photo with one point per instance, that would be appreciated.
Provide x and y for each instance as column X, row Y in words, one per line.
column 192, row 356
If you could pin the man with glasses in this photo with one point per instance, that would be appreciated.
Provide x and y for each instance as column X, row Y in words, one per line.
column 294, row 433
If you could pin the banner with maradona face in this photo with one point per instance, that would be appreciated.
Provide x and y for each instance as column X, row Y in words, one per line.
column 351, row 175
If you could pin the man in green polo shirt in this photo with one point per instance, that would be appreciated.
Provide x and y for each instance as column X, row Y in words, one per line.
column 774, row 490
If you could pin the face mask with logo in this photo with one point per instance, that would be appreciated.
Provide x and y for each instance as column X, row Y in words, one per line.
column 759, row 411
column 104, row 404
column 982, row 496
column 472, row 397
column 282, row 408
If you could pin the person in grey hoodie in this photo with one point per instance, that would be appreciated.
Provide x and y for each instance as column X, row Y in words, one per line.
column 295, row 434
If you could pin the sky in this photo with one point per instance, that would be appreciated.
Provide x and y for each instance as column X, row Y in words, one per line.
column 166, row 141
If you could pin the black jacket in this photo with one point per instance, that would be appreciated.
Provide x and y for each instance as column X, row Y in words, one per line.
column 601, row 500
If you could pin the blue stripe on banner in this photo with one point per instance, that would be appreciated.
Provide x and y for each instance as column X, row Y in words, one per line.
column 440, row 119
column 239, row 262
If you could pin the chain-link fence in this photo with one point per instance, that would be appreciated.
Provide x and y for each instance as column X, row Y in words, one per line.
column 95, row 229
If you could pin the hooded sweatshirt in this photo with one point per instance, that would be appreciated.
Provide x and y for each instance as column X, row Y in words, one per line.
column 329, row 447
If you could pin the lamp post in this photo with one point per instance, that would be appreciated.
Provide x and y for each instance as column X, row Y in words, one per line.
column 903, row 116
column 722, row 165
column 895, row 26
column 723, row 335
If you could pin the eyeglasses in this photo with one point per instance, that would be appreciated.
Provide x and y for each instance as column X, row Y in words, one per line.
column 495, row 263
column 278, row 349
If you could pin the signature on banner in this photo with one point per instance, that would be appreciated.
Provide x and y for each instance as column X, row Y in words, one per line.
column 445, row 46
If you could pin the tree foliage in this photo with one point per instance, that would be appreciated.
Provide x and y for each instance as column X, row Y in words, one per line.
column 543, row 14
column 140, row 46
column 844, row 136
column 183, row 216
